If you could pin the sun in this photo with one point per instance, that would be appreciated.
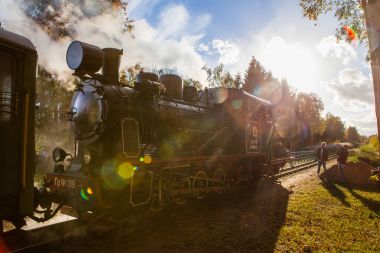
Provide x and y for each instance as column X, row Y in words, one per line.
column 294, row 62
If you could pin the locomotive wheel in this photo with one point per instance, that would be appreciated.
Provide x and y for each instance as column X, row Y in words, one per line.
column 181, row 199
column 219, row 179
column 155, row 205
column 200, row 181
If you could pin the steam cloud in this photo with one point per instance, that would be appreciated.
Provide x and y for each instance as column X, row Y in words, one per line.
column 172, row 44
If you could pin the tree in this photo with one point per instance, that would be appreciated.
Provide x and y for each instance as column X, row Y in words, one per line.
column 254, row 78
column 334, row 129
column 352, row 135
column 218, row 76
column 349, row 13
column 309, row 109
column 284, row 111
column 238, row 82
column 357, row 17
column 128, row 75
column 51, row 15
column 52, row 128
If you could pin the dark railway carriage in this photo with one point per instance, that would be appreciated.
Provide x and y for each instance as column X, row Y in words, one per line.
column 157, row 141
column 18, row 59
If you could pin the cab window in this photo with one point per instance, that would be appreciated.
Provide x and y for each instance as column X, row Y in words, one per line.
column 7, row 109
column 130, row 133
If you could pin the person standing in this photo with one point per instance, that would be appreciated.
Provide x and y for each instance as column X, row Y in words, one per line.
column 342, row 154
column 322, row 156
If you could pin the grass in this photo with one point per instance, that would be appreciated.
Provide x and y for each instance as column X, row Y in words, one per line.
column 327, row 217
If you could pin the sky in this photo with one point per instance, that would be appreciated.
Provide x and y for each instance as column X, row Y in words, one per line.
column 185, row 35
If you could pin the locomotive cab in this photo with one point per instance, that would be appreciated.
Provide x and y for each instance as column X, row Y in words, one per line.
column 18, row 59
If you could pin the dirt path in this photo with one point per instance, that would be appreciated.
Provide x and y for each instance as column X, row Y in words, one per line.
column 299, row 178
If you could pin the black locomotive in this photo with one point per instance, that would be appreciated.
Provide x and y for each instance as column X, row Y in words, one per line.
column 150, row 144
column 157, row 141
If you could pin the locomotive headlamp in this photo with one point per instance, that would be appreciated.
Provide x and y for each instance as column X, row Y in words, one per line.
column 59, row 155
column 81, row 56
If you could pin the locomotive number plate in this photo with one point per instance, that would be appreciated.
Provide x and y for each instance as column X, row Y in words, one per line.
column 60, row 182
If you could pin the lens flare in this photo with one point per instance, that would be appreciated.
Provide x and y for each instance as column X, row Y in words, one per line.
column 90, row 191
column 141, row 159
column 112, row 173
column 236, row 104
column 147, row 159
column 83, row 195
column 125, row 170
column 350, row 33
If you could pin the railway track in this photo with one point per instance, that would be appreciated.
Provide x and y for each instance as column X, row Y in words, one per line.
column 300, row 161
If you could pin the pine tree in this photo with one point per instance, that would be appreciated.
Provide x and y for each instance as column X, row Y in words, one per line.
column 254, row 78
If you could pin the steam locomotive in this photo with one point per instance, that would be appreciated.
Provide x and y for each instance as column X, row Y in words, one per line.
column 144, row 145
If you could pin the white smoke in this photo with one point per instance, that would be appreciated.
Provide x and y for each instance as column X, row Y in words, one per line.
column 172, row 44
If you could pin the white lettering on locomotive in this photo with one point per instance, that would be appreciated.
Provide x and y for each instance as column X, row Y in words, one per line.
column 63, row 182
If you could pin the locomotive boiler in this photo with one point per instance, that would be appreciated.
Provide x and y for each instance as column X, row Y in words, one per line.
column 157, row 141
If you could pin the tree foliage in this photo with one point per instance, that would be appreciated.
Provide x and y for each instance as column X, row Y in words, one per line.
column 348, row 13
column 309, row 109
column 255, row 77
column 52, row 128
column 218, row 76
column 285, row 111
column 352, row 135
column 334, row 128
column 53, row 16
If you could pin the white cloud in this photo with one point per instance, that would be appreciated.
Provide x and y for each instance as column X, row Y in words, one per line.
column 228, row 51
column 139, row 8
column 330, row 47
column 172, row 21
column 172, row 44
column 365, row 122
column 203, row 47
column 352, row 90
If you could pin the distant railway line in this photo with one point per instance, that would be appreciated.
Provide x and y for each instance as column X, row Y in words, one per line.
column 299, row 161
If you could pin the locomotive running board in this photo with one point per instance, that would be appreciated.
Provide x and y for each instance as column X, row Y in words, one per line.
column 197, row 190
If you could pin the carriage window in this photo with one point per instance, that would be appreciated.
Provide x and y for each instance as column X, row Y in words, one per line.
column 6, row 83
column 130, row 133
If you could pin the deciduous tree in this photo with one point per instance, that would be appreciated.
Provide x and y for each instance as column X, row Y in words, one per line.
column 334, row 129
column 352, row 135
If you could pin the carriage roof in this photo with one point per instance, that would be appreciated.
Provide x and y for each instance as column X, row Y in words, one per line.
column 11, row 39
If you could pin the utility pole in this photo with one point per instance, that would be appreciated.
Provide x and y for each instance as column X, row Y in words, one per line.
column 372, row 20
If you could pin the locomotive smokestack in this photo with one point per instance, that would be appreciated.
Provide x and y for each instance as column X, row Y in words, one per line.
column 111, row 64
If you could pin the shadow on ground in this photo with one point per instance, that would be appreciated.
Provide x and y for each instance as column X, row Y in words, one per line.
column 331, row 186
column 369, row 203
column 245, row 219
column 334, row 191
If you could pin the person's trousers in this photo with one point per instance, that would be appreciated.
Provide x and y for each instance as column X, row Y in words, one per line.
column 321, row 163
column 341, row 167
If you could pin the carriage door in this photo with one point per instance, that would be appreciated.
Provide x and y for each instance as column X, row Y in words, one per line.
column 10, row 134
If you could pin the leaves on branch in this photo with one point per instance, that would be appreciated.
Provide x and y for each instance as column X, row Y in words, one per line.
column 54, row 16
column 348, row 13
